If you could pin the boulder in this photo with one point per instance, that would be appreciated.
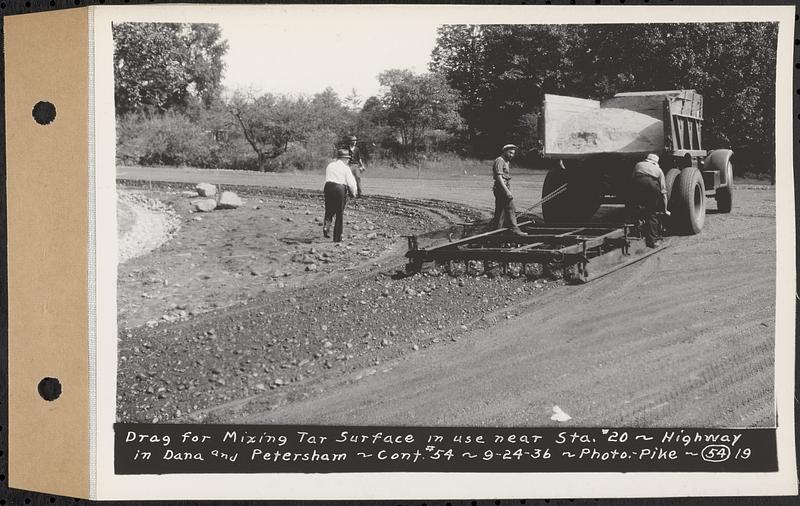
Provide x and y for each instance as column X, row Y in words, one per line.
column 229, row 200
column 206, row 189
column 204, row 205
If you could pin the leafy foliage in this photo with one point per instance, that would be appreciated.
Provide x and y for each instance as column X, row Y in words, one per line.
column 166, row 66
column 503, row 71
column 484, row 89
column 412, row 106
column 272, row 124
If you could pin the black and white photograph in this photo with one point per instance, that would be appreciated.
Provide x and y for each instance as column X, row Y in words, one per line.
column 401, row 252
column 485, row 225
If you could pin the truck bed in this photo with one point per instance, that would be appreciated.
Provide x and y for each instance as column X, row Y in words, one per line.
column 627, row 123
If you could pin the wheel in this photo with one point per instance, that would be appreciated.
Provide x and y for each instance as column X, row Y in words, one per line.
column 689, row 194
column 724, row 194
column 556, row 209
column 578, row 203
column 669, row 180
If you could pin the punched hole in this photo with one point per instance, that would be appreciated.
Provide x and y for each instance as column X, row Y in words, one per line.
column 44, row 112
column 50, row 389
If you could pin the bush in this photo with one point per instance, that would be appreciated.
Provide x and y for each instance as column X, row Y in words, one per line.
column 169, row 139
column 314, row 154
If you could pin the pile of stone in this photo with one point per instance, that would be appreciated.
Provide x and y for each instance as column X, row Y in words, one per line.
column 608, row 130
column 209, row 201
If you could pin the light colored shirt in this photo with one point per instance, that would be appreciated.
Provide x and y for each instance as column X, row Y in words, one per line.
column 653, row 170
column 340, row 173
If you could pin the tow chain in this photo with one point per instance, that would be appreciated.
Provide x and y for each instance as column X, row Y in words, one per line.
column 550, row 196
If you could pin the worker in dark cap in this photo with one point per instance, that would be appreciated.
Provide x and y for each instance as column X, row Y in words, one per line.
column 339, row 182
column 505, row 214
column 356, row 162
column 649, row 195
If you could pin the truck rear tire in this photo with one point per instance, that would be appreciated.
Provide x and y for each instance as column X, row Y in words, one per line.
column 672, row 206
column 689, row 195
column 555, row 210
column 724, row 194
column 577, row 204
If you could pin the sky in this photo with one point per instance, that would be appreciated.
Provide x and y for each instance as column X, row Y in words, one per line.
column 306, row 57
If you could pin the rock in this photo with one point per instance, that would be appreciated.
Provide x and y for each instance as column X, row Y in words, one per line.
column 415, row 347
column 204, row 205
column 206, row 189
column 229, row 200
column 311, row 267
column 189, row 193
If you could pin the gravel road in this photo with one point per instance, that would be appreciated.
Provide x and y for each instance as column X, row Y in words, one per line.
column 683, row 338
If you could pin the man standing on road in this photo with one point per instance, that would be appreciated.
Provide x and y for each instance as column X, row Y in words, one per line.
column 650, row 195
column 339, row 181
column 505, row 214
column 356, row 162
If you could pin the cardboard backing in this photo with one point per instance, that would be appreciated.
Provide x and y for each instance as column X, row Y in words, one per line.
column 47, row 59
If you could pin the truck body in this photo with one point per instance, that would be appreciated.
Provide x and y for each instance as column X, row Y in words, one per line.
column 599, row 142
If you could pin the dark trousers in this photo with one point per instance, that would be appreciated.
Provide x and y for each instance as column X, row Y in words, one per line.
column 505, row 214
column 335, row 201
column 647, row 196
column 357, row 174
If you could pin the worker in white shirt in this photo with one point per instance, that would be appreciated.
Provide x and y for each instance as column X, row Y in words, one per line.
column 650, row 195
column 339, row 182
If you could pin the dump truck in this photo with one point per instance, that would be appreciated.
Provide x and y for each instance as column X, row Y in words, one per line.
column 599, row 142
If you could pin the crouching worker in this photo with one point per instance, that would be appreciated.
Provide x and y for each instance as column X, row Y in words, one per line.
column 339, row 182
column 649, row 194
column 505, row 213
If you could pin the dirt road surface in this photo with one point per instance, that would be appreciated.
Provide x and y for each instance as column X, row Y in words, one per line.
column 682, row 338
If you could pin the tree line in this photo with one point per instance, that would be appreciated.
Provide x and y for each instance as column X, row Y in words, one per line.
column 484, row 88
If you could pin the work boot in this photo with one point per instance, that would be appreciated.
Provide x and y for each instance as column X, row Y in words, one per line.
column 326, row 228
column 518, row 232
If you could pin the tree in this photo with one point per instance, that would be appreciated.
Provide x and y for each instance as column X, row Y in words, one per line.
column 270, row 123
column 503, row 72
column 414, row 104
column 166, row 66
column 329, row 114
column 353, row 100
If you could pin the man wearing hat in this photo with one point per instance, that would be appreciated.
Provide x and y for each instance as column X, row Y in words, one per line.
column 649, row 192
column 356, row 162
column 339, row 181
column 505, row 215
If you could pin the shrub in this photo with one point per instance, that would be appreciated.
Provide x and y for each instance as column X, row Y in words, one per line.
column 168, row 139
column 314, row 154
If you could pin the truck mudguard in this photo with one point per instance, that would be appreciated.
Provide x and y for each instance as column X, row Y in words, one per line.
column 718, row 160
